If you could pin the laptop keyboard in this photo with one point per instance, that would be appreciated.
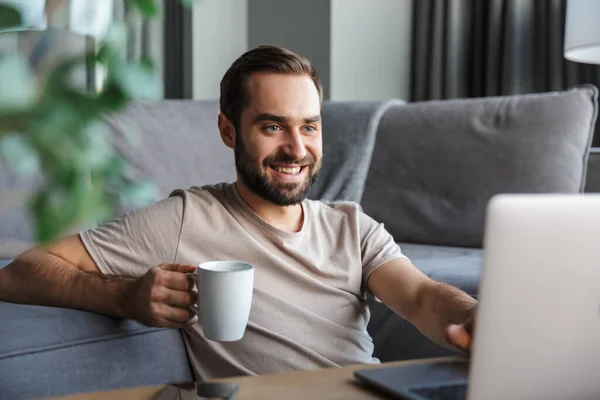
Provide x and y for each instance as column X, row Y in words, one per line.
column 454, row 391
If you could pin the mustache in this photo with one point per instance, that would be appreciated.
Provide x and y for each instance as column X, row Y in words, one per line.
column 283, row 158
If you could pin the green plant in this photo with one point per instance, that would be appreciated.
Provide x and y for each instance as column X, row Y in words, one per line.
column 51, row 128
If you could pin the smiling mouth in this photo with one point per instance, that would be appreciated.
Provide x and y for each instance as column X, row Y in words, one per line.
column 288, row 170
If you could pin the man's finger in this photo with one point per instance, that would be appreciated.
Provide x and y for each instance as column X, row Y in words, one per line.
column 175, row 280
column 184, row 268
column 457, row 335
column 177, row 315
column 180, row 298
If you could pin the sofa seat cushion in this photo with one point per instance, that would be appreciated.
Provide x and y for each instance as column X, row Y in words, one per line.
column 457, row 266
column 47, row 351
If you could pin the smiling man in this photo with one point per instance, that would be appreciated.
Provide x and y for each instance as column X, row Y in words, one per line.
column 314, row 262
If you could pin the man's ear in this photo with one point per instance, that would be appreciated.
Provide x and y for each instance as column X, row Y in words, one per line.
column 227, row 131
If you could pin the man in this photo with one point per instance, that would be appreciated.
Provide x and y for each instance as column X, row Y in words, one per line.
column 314, row 262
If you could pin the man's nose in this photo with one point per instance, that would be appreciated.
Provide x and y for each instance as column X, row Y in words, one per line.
column 294, row 146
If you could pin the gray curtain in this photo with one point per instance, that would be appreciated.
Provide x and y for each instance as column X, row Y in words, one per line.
column 478, row 48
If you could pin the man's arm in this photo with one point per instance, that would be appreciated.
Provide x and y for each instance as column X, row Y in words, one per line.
column 64, row 275
column 431, row 306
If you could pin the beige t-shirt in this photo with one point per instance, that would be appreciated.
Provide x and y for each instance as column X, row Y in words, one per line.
column 309, row 301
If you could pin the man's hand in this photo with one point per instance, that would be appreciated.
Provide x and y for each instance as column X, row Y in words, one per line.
column 461, row 335
column 162, row 297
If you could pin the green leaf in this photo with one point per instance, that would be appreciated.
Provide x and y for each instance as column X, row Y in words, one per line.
column 112, row 98
column 18, row 155
column 53, row 122
column 112, row 170
column 53, row 213
column 97, row 147
column 116, row 38
column 139, row 194
column 60, row 77
column 138, row 81
column 18, row 84
column 147, row 63
column 9, row 17
column 98, row 205
column 148, row 8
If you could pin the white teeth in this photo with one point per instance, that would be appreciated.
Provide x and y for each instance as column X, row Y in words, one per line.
column 291, row 171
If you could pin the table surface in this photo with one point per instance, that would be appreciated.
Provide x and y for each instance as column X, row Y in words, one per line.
column 331, row 383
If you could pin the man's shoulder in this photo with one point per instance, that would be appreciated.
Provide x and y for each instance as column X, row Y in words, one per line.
column 206, row 193
column 350, row 211
column 208, row 199
column 339, row 207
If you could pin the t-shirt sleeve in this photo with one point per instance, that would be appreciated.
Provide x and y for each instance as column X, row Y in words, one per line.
column 135, row 242
column 377, row 245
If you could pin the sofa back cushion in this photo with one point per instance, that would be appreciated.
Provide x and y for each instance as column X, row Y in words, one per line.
column 177, row 143
column 436, row 164
column 349, row 132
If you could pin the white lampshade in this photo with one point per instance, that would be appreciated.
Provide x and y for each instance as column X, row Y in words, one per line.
column 582, row 31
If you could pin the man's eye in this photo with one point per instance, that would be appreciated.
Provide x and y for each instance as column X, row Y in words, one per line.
column 311, row 129
column 272, row 128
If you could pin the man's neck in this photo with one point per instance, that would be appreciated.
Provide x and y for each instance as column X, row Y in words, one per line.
column 286, row 218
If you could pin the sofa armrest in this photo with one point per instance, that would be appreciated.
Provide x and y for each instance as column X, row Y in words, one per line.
column 52, row 351
column 592, row 182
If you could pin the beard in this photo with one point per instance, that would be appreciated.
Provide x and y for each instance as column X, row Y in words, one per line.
column 278, row 193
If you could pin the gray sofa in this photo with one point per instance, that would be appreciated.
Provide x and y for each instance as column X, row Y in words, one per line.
column 426, row 170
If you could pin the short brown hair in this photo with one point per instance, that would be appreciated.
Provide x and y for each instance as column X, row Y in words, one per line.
column 234, row 85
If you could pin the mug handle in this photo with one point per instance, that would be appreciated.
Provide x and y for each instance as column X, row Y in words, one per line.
column 195, row 309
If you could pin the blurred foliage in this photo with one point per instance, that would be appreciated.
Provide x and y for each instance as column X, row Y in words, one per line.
column 53, row 129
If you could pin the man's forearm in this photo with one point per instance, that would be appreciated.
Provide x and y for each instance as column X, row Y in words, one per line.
column 37, row 277
column 442, row 305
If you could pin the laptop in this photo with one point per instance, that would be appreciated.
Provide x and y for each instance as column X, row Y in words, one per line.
column 537, row 333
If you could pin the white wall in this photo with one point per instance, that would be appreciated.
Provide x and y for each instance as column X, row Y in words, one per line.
column 220, row 35
column 370, row 49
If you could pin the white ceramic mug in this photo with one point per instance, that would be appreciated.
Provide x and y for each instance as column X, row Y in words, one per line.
column 224, row 298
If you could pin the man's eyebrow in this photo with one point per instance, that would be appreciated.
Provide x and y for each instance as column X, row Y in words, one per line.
column 281, row 119
column 316, row 118
column 269, row 117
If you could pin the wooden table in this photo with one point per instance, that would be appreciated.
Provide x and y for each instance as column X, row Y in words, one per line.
column 334, row 383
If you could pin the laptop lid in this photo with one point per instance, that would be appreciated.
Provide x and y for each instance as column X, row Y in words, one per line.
column 538, row 322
